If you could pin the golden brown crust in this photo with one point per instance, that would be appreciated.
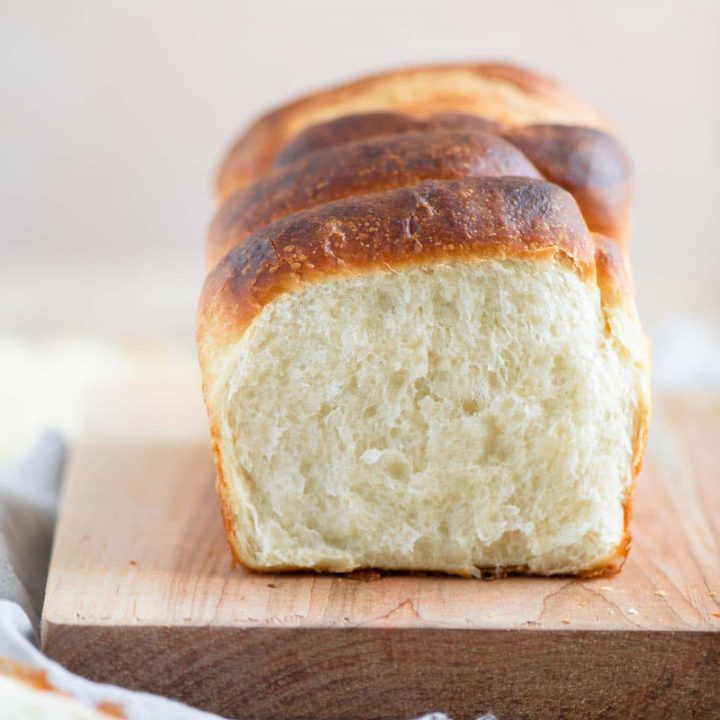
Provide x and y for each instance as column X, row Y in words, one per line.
column 379, row 151
column 364, row 126
column 357, row 168
column 512, row 95
column 616, row 288
column 588, row 163
column 615, row 284
column 612, row 275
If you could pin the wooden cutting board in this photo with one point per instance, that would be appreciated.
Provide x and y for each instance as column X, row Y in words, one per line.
column 142, row 593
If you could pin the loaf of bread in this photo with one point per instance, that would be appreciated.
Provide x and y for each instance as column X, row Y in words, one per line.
column 419, row 345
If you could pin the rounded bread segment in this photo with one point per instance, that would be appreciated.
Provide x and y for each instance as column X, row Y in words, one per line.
column 364, row 126
column 357, row 168
column 494, row 91
column 373, row 152
column 435, row 221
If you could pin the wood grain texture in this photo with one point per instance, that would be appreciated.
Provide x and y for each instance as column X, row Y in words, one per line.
column 141, row 593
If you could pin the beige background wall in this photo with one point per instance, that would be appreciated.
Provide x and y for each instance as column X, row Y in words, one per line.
column 113, row 114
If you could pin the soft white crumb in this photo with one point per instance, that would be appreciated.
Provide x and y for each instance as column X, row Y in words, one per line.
column 439, row 419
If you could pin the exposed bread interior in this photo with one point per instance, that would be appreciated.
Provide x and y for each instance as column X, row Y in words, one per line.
column 446, row 377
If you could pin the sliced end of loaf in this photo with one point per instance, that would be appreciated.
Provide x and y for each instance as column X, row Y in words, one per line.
column 449, row 417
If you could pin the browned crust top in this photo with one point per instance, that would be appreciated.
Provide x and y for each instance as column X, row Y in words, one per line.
column 434, row 221
column 356, row 168
column 355, row 154
column 253, row 152
column 363, row 126
column 589, row 163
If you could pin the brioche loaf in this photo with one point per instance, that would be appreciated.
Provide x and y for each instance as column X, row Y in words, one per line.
column 418, row 340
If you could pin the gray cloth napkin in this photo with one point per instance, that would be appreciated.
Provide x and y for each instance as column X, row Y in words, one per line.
column 28, row 505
